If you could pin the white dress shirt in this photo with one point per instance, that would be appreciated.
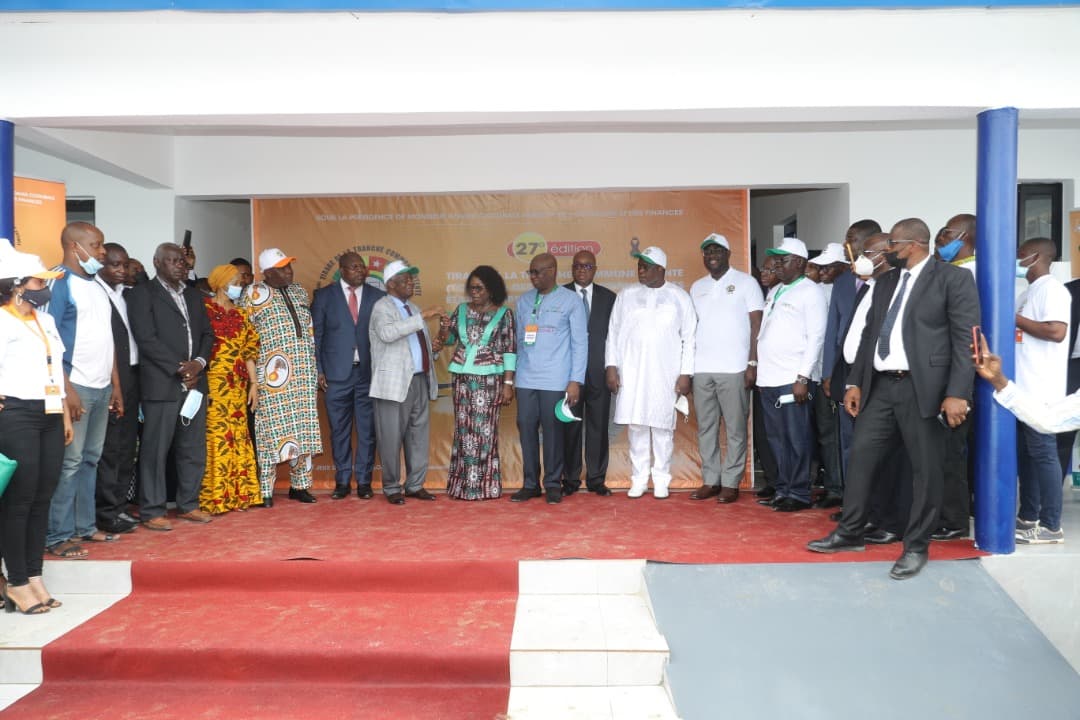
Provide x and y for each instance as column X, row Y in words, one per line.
column 897, row 358
column 858, row 323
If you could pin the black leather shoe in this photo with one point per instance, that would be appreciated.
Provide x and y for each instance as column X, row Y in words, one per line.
column 944, row 533
column 908, row 566
column 602, row 491
column 835, row 517
column 553, row 497
column 340, row 493
column 396, row 499
column 770, row 502
column 268, row 502
column 834, row 542
column 880, row 536
column 766, row 492
column 827, row 501
column 791, row 505
column 118, row 527
column 525, row 494
column 570, row 489
column 364, row 492
column 301, row 495
column 420, row 494
column 127, row 518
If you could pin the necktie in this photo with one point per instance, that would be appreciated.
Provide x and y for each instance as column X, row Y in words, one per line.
column 890, row 319
column 425, row 359
column 354, row 308
column 585, row 299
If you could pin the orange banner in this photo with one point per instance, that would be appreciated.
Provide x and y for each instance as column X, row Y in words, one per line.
column 40, row 216
column 446, row 236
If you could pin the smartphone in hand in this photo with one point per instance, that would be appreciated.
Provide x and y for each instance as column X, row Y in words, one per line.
column 976, row 344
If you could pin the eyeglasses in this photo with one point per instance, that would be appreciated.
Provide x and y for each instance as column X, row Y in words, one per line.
column 540, row 271
column 767, row 271
column 477, row 288
column 893, row 243
column 583, row 266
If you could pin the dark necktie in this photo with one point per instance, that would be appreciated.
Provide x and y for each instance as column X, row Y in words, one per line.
column 585, row 299
column 354, row 308
column 425, row 360
column 890, row 319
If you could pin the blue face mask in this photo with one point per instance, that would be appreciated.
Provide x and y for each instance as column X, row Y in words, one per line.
column 1021, row 269
column 950, row 250
column 234, row 292
column 91, row 265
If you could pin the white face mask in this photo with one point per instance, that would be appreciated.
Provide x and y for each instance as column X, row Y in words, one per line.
column 864, row 267
column 234, row 292
column 192, row 405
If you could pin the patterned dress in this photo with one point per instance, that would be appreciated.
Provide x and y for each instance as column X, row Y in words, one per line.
column 230, row 482
column 474, row 472
column 287, row 421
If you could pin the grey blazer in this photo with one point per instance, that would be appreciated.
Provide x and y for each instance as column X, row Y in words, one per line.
column 391, row 359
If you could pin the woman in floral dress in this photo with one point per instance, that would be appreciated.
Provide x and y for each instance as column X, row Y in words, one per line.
column 483, row 381
column 231, row 481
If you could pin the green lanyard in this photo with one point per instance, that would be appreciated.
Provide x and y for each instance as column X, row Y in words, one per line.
column 782, row 290
column 536, row 305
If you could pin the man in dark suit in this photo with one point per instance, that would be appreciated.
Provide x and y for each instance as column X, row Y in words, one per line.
column 845, row 287
column 911, row 375
column 341, row 313
column 595, row 407
column 116, row 468
column 173, row 333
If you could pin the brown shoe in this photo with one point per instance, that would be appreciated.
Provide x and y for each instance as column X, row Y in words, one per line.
column 196, row 516
column 159, row 524
column 705, row 492
column 728, row 495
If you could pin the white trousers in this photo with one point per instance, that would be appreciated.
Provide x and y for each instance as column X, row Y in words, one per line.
column 663, row 444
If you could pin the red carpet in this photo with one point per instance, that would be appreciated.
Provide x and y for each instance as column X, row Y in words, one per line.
column 298, row 639
column 584, row 526
column 384, row 612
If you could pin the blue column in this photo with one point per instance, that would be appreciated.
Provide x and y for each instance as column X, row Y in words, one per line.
column 7, row 181
column 995, row 427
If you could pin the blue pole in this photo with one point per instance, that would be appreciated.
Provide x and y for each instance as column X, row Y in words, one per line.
column 7, row 181
column 995, row 427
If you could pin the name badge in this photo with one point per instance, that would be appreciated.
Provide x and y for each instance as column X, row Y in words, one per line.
column 1019, row 335
column 530, row 334
column 54, row 404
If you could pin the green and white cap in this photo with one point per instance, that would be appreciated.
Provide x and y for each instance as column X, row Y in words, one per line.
column 653, row 256
column 563, row 411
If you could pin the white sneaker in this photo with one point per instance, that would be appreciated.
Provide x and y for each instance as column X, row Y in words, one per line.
column 636, row 491
column 660, row 492
column 1039, row 535
column 1022, row 524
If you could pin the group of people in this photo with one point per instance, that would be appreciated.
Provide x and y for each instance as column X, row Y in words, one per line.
column 859, row 356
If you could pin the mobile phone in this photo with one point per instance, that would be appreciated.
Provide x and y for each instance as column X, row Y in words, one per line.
column 187, row 239
column 941, row 418
column 976, row 344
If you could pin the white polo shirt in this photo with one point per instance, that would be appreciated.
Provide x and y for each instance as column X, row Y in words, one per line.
column 792, row 333
column 723, row 310
column 1041, row 365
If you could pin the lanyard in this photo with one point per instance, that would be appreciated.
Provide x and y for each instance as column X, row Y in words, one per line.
column 780, row 291
column 536, row 305
column 40, row 332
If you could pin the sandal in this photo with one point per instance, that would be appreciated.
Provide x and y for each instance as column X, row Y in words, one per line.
column 67, row 549
column 49, row 602
column 11, row 606
column 100, row 536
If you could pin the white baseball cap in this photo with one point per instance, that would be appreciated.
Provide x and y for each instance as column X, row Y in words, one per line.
column 715, row 239
column 273, row 258
column 789, row 246
column 20, row 265
column 833, row 253
column 396, row 268
column 652, row 255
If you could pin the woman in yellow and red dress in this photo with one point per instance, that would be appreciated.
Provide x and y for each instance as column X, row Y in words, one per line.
column 231, row 481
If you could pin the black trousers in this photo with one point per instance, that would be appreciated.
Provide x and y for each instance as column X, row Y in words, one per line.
column 761, row 443
column 116, row 468
column 36, row 442
column 891, row 415
column 164, row 431
column 595, row 411
column 956, row 494
column 536, row 413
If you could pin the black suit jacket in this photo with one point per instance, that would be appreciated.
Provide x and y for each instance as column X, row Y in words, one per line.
column 1073, row 286
column 161, row 334
column 936, row 327
column 122, row 347
column 603, row 300
column 336, row 336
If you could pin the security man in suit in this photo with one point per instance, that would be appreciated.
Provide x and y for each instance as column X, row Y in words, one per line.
column 912, row 375
column 595, row 403
column 341, row 313
column 403, row 382
column 172, row 330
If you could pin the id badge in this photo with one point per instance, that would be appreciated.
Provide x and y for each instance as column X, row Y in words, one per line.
column 530, row 334
column 1019, row 335
column 54, row 404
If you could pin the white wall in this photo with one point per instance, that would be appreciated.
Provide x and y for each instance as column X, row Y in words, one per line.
column 220, row 230
column 138, row 218
column 822, row 217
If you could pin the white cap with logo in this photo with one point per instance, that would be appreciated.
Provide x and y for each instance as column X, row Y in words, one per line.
column 396, row 268
column 273, row 258
column 653, row 256
column 789, row 246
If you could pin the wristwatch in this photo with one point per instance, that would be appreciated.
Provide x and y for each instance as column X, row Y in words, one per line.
column 508, row 382
column 802, row 380
column 751, row 363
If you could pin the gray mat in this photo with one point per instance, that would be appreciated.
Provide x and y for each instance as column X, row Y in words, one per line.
column 842, row 640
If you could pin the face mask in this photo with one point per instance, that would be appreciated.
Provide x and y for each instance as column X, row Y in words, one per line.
column 192, row 405
column 895, row 260
column 864, row 267
column 91, row 265
column 1021, row 269
column 234, row 292
column 950, row 250
column 37, row 298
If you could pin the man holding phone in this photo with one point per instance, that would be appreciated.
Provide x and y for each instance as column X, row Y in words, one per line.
column 911, row 366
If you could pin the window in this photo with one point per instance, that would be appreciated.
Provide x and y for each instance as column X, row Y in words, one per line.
column 80, row 210
column 1038, row 212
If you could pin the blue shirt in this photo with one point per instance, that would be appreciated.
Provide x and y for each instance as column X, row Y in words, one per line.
column 562, row 340
column 414, row 342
